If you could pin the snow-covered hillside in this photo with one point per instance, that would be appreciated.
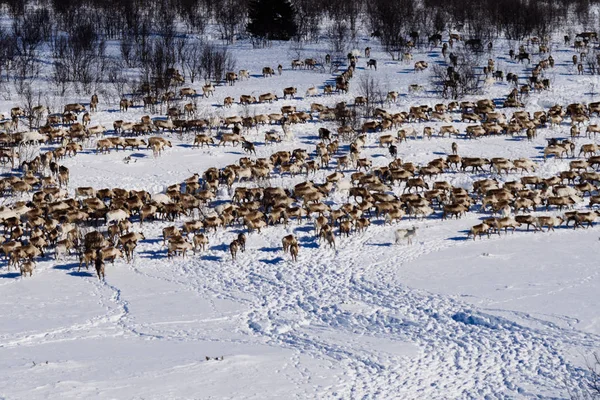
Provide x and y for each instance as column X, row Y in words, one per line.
column 512, row 317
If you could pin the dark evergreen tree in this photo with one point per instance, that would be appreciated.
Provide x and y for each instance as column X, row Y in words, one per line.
column 271, row 19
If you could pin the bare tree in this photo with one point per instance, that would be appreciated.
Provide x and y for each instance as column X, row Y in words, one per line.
column 28, row 102
column 216, row 62
column 7, row 52
column 586, row 385
column 347, row 11
column 192, row 65
column 230, row 17
column 592, row 62
column 308, row 17
column 79, row 58
column 117, row 78
column 337, row 35
column 389, row 20
column 194, row 14
column 127, row 53
column 371, row 88
column 460, row 80
column 224, row 62
column 161, row 65
column 28, row 36
column 60, row 77
column 24, row 73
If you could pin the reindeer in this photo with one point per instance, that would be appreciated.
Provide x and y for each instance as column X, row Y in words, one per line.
column 420, row 66
column 407, row 234
column 99, row 264
column 294, row 251
column 233, row 248
column 230, row 78
column 268, row 72
column 208, row 90
column 287, row 242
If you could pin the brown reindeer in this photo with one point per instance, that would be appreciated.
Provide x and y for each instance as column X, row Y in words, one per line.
column 233, row 248
column 241, row 239
column 294, row 248
column 94, row 103
column 99, row 264
column 287, row 242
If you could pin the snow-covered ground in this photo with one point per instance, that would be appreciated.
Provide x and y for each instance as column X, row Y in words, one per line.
column 514, row 316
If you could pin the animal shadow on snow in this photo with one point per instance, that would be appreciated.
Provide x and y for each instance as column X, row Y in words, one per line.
column 378, row 221
column 208, row 257
column 153, row 254
column 81, row 274
column 270, row 249
column 460, row 238
column 220, row 247
column 66, row 267
column 10, row 275
column 380, row 244
column 304, row 228
column 275, row 260
column 379, row 155
column 309, row 242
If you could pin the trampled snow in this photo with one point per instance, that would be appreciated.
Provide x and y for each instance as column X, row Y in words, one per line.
column 511, row 317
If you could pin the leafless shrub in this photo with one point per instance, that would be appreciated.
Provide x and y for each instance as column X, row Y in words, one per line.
column 586, row 386
column 592, row 62
column 389, row 21
column 371, row 88
column 191, row 61
column 127, row 53
column 337, row 34
column 230, row 17
column 117, row 79
column 460, row 80
column 29, row 100
column 215, row 62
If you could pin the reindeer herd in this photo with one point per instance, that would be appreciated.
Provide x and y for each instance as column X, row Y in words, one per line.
column 98, row 225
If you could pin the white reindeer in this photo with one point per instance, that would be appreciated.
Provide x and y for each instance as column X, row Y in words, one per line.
column 407, row 234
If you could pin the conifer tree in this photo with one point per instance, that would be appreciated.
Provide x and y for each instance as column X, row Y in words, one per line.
column 271, row 19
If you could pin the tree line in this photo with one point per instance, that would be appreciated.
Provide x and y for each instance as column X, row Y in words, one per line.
column 157, row 36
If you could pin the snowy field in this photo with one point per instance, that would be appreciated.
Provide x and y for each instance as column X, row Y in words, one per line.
column 510, row 317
